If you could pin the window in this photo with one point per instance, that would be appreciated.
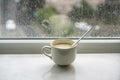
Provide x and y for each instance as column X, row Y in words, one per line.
column 49, row 19
column 59, row 18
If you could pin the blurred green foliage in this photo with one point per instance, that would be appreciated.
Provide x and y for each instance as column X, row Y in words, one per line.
column 26, row 10
column 62, row 26
column 108, row 13
column 84, row 11
column 45, row 13
column 52, row 23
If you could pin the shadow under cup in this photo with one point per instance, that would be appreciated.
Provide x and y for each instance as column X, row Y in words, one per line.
column 63, row 56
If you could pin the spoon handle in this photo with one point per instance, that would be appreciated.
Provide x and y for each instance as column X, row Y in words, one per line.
column 76, row 43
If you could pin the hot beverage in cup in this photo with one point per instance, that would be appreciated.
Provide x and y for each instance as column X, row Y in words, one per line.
column 62, row 52
column 63, row 46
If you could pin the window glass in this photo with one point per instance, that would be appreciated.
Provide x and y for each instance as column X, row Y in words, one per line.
column 59, row 18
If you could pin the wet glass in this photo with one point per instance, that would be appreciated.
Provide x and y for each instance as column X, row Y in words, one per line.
column 59, row 18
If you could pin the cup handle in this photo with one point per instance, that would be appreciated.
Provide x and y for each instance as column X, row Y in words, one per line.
column 46, row 53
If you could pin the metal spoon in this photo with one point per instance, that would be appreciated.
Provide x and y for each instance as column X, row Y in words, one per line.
column 77, row 42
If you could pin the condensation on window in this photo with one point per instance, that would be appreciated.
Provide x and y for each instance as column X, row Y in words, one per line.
column 59, row 18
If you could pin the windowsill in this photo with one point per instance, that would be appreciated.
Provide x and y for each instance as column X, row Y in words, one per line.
column 40, row 67
column 34, row 46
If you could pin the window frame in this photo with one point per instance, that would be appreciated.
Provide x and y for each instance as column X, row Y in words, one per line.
column 34, row 45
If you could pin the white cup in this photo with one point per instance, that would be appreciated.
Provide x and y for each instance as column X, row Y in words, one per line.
column 61, row 55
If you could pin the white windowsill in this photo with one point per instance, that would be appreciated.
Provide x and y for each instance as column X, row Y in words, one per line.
column 40, row 67
column 34, row 46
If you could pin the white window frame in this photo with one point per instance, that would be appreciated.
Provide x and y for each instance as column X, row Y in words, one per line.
column 34, row 45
